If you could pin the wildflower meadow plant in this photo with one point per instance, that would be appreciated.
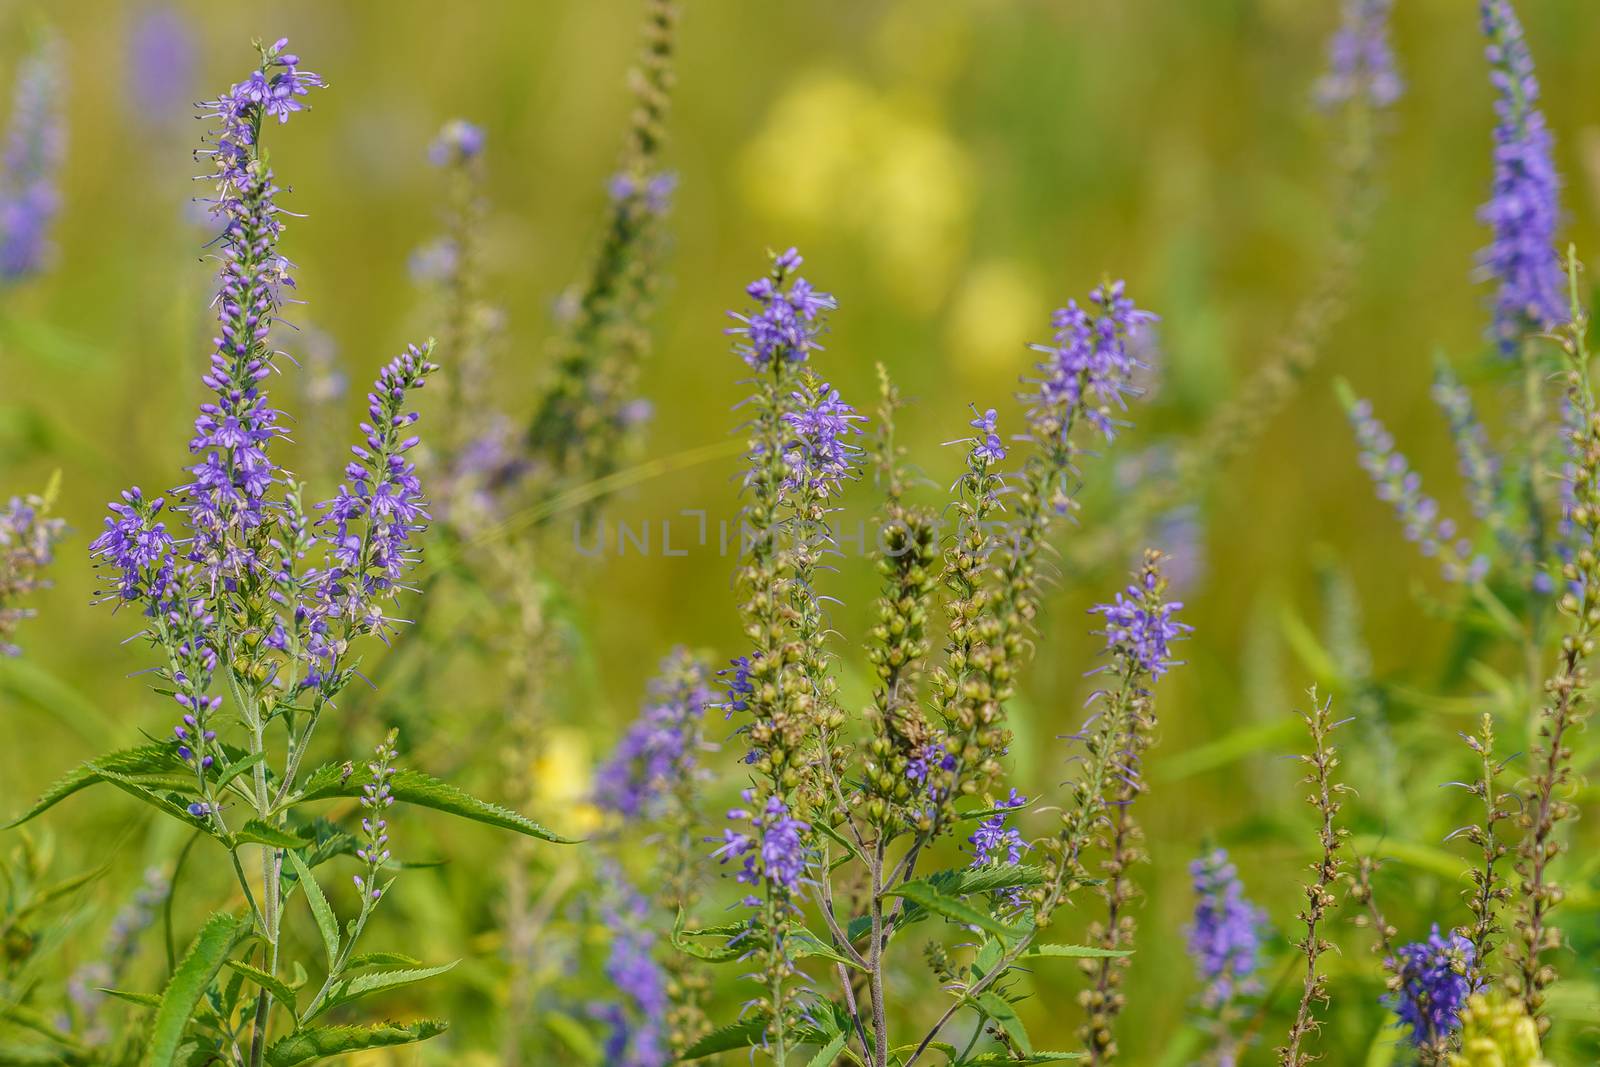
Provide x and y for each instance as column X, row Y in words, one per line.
column 839, row 809
column 35, row 142
column 257, row 608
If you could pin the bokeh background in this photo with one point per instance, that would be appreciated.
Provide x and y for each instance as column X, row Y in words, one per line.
column 952, row 171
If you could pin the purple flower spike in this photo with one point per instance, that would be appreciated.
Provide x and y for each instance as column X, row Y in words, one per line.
column 28, row 197
column 1361, row 58
column 1139, row 625
column 660, row 749
column 1524, row 209
column 1436, row 978
column 1089, row 369
column 458, row 142
column 1225, row 937
column 786, row 321
column 819, row 455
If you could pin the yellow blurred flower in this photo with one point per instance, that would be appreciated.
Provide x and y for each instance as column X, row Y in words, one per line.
column 562, row 778
column 1498, row 1033
column 996, row 311
column 836, row 154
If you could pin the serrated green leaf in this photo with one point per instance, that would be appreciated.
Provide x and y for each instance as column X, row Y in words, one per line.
column 256, row 832
column 347, row 989
column 681, row 940
column 742, row 1034
column 380, row 959
column 320, row 1042
column 424, row 790
column 829, row 1052
column 146, row 759
column 1073, row 952
column 188, row 984
column 1000, row 1010
column 925, row 895
column 961, row 881
column 321, row 910
column 804, row 943
column 280, row 992
column 143, row 1000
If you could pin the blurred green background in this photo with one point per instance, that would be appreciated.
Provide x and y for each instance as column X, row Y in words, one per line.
column 952, row 171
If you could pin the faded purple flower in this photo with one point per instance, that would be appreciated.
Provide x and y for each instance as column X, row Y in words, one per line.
column 161, row 65
column 1361, row 58
column 1524, row 208
column 637, row 1025
column 458, row 142
column 661, row 748
column 35, row 140
column 1226, row 934
column 1401, row 486
column 28, row 536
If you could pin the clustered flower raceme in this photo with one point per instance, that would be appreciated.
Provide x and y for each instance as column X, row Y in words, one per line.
column 1139, row 624
column 787, row 321
column 377, row 797
column 226, row 502
column 661, row 748
column 819, row 456
column 34, row 144
column 637, row 1025
column 28, row 536
column 773, row 854
column 1478, row 464
column 232, row 586
column 1361, row 64
column 458, row 142
column 371, row 521
column 1090, row 366
column 88, row 984
column 1524, row 210
column 652, row 192
column 1436, row 977
column 1401, row 486
column 993, row 837
column 1226, row 934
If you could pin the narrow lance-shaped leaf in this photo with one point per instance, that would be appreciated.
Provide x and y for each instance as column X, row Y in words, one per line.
column 321, row 1042
column 424, row 790
column 188, row 985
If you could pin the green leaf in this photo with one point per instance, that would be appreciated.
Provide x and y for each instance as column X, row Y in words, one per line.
column 1000, row 1010
column 188, row 984
column 1033, row 1057
column 961, row 881
column 45, row 897
column 1073, row 952
column 804, row 943
column 426, row 791
column 742, row 1034
column 256, row 832
column 143, row 1000
column 146, row 759
column 238, row 767
column 380, row 959
column 347, row 989
column 829, row 1052
column 280, row 992
column 320, row 909
column 573, row 1035
column 926, row 895
column 320, row 1042
column 682, row 940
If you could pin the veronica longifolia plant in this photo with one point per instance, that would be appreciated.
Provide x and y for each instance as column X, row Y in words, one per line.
column 840, row 812
column 258, row 610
